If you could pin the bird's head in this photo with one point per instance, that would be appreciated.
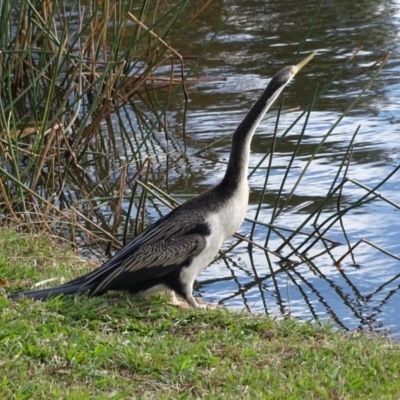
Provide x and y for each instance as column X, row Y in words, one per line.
column 283, row 77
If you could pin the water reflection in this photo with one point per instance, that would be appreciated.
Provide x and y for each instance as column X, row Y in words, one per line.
column 256, row 35
column 257, row 38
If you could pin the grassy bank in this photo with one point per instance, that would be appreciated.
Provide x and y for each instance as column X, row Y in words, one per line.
column 120, row 347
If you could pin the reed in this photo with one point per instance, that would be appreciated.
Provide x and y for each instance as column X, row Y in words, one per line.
column 71, row 159
column 69, row 73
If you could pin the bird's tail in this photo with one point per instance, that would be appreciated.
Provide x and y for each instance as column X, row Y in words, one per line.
column 70, row 288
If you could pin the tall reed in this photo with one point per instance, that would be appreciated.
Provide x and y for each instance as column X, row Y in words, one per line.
column 68, row 72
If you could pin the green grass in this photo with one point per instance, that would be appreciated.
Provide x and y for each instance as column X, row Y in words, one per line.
column 117, row 346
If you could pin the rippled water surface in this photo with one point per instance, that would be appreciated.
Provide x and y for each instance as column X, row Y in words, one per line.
column 258, row 38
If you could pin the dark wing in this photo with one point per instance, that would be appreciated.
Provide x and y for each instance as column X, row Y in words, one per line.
column 150, row 261
column 162, row 247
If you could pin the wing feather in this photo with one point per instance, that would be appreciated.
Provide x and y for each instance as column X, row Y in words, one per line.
column 174, row 224
column 159, row 257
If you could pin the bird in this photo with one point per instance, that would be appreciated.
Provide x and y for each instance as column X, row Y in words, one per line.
column 169, row 254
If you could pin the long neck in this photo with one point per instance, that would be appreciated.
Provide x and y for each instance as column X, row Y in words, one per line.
column 240, row 152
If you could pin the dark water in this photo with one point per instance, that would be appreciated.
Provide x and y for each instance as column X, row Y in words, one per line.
column 256, row 41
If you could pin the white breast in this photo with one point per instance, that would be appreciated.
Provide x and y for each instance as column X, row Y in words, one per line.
column 223, row 224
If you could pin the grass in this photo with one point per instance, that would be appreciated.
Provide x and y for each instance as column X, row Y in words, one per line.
column 68, row 79
column 121, row 347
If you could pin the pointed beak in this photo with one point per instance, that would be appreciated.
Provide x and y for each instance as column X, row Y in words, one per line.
column 296, row 68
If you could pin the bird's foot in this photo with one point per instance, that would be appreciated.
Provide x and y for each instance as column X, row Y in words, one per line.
column 204, row 304
column 174, row 301
column 190, row 302
column 199, row 303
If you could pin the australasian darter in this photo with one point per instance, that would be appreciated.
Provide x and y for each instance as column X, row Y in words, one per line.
column 172, row 252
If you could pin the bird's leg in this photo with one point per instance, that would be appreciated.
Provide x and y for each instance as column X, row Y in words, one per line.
column 171, row 297
column 174, row 301
column 188, row 291
column 192, row 301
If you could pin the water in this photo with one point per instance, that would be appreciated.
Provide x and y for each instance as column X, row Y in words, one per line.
column 258, row 38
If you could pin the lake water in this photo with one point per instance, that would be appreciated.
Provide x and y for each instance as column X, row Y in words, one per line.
column 258, row 38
